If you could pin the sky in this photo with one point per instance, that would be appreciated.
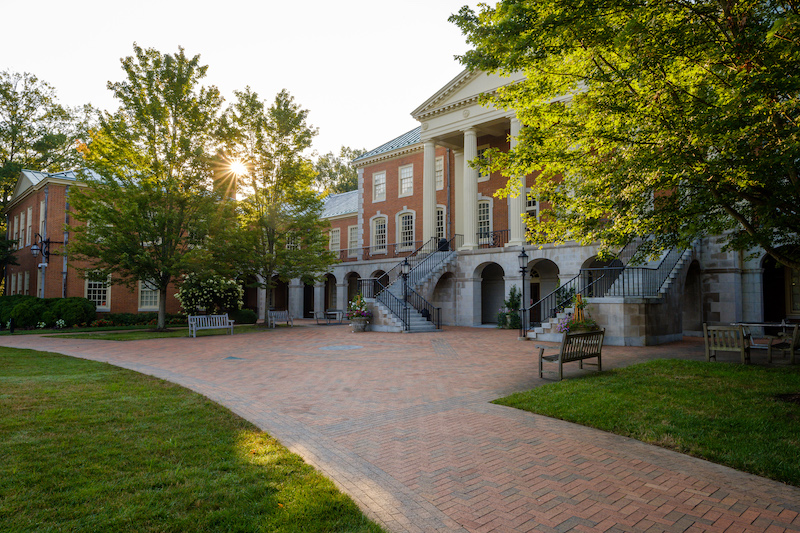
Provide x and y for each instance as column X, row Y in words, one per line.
column 359, row 66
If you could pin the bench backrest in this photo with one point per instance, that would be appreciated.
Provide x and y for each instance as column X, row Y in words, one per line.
column 730, row 338
column 280, row 315
column 203, row 321
column 576, row 346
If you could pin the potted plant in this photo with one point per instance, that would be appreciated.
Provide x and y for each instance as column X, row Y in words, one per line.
column 358, row 314
column 579, row 320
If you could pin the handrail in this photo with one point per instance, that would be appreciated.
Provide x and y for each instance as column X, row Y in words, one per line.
column 426, row 309
column 492, row 239
column 376, row 290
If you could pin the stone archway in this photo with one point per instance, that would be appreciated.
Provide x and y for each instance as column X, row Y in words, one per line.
column 543, row 280
column 492, row 292
column 444, row 296
column 692, row 319
column 330, row 292
column 780, row 287
column 352, row 287
column 279, row 295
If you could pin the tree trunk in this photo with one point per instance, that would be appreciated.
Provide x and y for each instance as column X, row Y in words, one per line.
column 162, row 309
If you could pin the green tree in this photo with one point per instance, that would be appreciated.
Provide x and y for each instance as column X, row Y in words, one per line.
column 335, row 174
column 282, row 234
column 149, row 203
column 36, row 132
column 677, row 119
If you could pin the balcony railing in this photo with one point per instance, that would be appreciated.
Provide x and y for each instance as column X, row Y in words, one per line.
column 388, row 251
column 492, row 239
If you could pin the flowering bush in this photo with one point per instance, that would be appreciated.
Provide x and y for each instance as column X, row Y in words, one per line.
column 60, row 323
column 358, row 308
column 215, row 294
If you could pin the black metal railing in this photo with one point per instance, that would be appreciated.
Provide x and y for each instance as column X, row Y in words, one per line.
column 643, row 281
column 422, row 265
column 425, row 308
column 372, row 288
column 492, row 239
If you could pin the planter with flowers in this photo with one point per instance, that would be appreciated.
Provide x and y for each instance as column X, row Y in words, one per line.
column 579, row 321
column 359, row 314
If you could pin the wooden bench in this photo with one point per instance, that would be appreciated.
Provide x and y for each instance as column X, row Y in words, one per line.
column 789, row 342
column 279, row 316
column 726, row 339
column 198, row 322
column 575, row 347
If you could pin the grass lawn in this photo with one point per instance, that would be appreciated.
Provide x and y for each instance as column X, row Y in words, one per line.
column 173, row 331
column 90, row 447
column 727, row 413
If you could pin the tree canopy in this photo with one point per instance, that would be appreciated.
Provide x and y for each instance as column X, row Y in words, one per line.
column 282, row 234
column 36, row 132
column 676, row 119
column 336, row 174
column 149, row 204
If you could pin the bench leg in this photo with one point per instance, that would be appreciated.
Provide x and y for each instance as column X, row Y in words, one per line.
column 599, row 364
column 541, row 352
column 560, row 370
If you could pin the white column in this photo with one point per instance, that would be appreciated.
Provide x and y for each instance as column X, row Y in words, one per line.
column 429, row 192
column 458, row 187
column 319, row 297
column 470, row 214
column 296, row 298
column 516, row 205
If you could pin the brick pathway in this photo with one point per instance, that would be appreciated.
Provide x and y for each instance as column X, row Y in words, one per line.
column 402, row 423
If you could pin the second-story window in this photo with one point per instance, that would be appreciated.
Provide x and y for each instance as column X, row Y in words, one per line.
column 439, row 173
column 440, row 222
column 379, row 235
column 352, row 241
column 406, row 178
column 379, row 187
column 484, row 222
column 406, row 230
column 333, row 244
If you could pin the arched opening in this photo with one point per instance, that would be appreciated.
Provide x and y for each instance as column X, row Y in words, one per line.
column 308, row 300
column 543, row 280
column 444, row 296
column 278, row 295
column 492, row 292
column 598, row 275
column 381, row 276
column 250, row 296
column 330, row 292
column 352, row 286
column 693, row 301
column 781, row 291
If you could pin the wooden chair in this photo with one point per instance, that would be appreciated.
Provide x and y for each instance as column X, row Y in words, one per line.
column 790, row 342
column 726, row 339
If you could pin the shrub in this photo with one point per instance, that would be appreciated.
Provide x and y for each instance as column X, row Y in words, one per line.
column 510, row 318
column 244, row 316
column 73, row 311
column 27, row 314
column 214, row 293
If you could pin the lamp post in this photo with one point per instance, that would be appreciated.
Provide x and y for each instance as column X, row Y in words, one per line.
column 523, row 268
column 43, row 246
column 405, row 270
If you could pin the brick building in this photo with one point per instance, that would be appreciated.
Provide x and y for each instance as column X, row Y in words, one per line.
column 420, row 188
column 39, row 212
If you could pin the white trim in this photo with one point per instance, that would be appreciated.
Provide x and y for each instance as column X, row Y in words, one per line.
column 399, row 228
column 438, row 172
column 143, row 286
column 373, row 246
column 488, row 200
column 107, row 283
column 482, row 148
column 375, row 197
column 352, row 247
column 400, row 193
column 443, row 234
column 331, row 240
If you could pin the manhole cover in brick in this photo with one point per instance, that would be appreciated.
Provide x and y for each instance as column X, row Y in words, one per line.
column 344, row 347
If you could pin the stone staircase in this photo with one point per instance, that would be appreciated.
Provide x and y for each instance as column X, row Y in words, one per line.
column 548, row 331
column 385, row 320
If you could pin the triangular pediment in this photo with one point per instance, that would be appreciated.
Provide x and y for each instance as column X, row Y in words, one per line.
column 463, row 89
column 27, row 179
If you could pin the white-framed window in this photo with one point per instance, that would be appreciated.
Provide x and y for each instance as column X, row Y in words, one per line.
column 41, row 217
column 99, row 292
column 481, row 151
column 12, row 285
column 405, row 180
column 352, row 241
column 378, row 235
column 148, row 296
column 22, row 230
column 405, row 230
column 334, row 240
column 440, row 222
column 439, row 173
column 27, row 286
column 531, row 205
column 484, row 221
column 292, row 242
column 16, row 229
column 29, row 234
column 20, row 282
column 379, row 187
